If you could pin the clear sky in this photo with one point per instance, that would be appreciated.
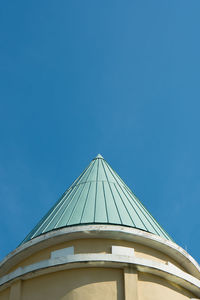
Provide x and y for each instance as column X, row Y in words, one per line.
column 120, row 78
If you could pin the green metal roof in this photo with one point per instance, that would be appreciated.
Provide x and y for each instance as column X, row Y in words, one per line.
column 98, row 196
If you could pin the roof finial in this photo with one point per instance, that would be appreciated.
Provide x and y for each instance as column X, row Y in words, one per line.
column 99, row 156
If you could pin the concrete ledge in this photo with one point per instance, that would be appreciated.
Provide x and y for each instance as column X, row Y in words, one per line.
column 101, row 231
column 167, row 271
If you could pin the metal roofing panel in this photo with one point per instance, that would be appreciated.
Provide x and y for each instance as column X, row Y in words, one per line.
column 100, row 214
column 88, row 214
column 100, row 196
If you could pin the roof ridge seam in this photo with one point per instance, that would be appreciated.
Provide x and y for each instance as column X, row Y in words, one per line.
column 95, row 200
column 87, row 193
column 112, row 195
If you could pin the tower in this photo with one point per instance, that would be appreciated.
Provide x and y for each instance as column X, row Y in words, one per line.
column 99, row 242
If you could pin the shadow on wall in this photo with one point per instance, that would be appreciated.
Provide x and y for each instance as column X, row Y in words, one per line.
column 79, row 284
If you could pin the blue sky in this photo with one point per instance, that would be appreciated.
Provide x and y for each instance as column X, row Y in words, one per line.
column 120, row 78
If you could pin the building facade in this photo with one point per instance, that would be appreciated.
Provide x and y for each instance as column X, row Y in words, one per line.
column 99, row 242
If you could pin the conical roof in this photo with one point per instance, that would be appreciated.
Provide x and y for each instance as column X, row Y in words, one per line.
column 98, row 196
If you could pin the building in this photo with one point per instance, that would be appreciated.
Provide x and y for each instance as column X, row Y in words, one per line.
column 99, row 242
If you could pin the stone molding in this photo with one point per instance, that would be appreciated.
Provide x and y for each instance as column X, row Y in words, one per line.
column 167, row 271
column 101, row 231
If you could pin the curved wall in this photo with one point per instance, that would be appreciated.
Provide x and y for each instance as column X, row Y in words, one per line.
column 98, row 266
column 79, row 284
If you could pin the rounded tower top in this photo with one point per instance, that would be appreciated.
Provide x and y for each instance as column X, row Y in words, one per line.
column 98, row 196
column 99, row 227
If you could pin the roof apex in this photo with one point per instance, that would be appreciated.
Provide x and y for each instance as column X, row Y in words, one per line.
column 99, row 156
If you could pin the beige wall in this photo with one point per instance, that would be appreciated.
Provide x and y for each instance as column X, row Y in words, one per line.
column 98, row 284
column 98, row 246
column 152, row 287
column 80, row 284
column 4, row 295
